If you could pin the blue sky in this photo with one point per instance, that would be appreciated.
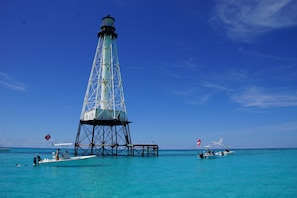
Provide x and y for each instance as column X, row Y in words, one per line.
column 191, row 69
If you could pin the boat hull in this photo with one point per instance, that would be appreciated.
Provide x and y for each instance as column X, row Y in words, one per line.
column 4, row 149
column 62, row 161
column 224, row 153
column 206, row 156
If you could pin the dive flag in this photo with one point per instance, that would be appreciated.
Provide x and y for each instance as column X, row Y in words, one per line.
column 198, row 142
column 47, row 137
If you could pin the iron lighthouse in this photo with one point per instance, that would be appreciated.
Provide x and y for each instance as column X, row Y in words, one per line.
column 104, row 127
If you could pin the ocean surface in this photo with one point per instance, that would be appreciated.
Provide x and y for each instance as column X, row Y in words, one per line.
column 175, row 173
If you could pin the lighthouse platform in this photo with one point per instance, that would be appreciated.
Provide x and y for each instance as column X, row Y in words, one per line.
column 144, row 150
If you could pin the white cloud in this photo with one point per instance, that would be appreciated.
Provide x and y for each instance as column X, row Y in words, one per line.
column 286, row 127
column 256, row 97
column 7, row 82
column 206, row 92
column 214, row 86
column 201, row 100
column 245, row 19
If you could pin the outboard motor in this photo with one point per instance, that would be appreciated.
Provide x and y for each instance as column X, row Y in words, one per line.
column 36, row 159
column 201, row 155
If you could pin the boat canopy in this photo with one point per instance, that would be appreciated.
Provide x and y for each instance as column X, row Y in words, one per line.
column 63, row 144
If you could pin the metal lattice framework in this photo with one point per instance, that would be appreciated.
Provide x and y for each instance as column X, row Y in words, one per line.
column 104, row 126
column 111, row 139
column 104, row 96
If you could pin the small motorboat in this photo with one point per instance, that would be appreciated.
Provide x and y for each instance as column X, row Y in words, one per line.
column 207, row 154
column 224, row 152
column 3, row 148
column 57, row 159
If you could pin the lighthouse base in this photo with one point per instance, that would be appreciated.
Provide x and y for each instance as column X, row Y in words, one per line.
column 109, row 138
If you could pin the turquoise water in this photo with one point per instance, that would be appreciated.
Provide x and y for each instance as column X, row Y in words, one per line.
column 247, row 173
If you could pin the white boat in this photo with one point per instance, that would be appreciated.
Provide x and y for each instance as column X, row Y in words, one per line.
column 224, row 152
column 3, row 148
column 59, row 160
column 207, row 154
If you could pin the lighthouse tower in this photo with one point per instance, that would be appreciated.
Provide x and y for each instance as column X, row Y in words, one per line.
column 104, row 127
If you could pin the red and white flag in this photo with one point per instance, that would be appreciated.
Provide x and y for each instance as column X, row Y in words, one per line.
column 47, row 137
column 198, row 142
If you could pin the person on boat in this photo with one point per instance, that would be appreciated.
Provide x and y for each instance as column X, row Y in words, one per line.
column 65, row 155
column 57, row 154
